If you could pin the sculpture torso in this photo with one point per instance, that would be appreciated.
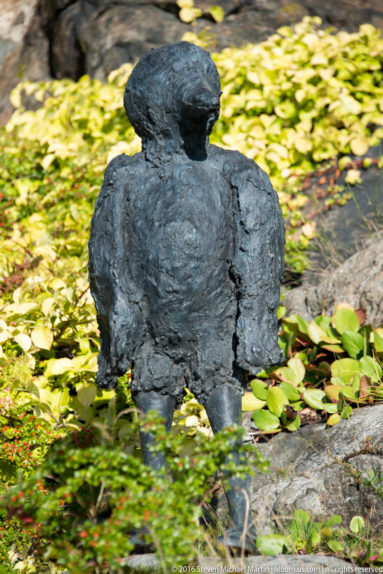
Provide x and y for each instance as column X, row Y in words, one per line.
column 181, row 233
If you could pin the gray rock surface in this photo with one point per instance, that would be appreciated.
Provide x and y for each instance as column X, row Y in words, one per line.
column 68, row 38
column 310, row 472
column 358, row 282
column 309, row 564
column 23, row 48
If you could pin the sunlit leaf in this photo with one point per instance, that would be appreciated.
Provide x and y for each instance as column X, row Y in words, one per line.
column 345, row 369
column 333, row 419
column 251, row 403
column 357, row 525
column 276, row 400
column 271, row 544
column 292, row 394
column 345, row 319
column 259, row 389
column 371, row 368
column 217, row 13
column 42, row 337
column 265, row 420
column 314, row 398
column 353, row 343
column 24, row 341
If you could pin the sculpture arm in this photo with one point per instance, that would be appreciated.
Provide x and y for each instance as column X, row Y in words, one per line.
column 257, row 268
column 114, row 294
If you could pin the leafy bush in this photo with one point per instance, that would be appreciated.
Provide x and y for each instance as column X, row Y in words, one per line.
column 97, row 491
column 334, row 364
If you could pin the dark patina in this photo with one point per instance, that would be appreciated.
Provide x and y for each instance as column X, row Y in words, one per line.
column 186, row 256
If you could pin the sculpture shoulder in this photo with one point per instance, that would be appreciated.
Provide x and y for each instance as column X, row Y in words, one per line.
column 240, row 169
column 118, row 171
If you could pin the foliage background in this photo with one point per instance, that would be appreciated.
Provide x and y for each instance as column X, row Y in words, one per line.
column 303, row 99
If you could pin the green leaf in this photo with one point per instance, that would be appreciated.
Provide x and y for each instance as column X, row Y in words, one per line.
column 332, row 391
column 315, row 332
column 42, row 337
column 314, row 398
column 315, row 539
column 360, row 145
column 345, row 369
column 336, row 349
column 378, row 340
column 276, row 401
column 58, row 367
column 346, row 412
column 271, row 544
column 250, row 403
column 265, row 420
column 371, row 368
column 349, row 392
column 297, row 321
column 298, row 367
column 334, row 520
column 85, row 413
column 259, row 389
column 300, row 523
column 289, row 375
column 353, row 343
column 333, row 419
column 188, row 15
column 330, row 408
column 290, row 391
column 345, row 319
column 24, row 341
column 298, row 405
column 294, row 425
column 357, row 525
column 86, row 394
column 19, row 308
column 335, row 545
column 353, row 176
column 217, row 13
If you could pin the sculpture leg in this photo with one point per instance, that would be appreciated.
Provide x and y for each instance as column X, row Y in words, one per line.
column 224, row 409
column 164, row 405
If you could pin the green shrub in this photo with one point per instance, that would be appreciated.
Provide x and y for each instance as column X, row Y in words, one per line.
column 333, row 365
column 92, row 491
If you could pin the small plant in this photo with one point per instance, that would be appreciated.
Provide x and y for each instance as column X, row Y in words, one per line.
column 24, row 436
column 333, row 365
column 304, row 535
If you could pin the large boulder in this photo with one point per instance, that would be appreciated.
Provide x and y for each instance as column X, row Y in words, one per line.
column 96, row 36
column 358, row 282
column 24, row 49
column 346, row 258
column 322, row 470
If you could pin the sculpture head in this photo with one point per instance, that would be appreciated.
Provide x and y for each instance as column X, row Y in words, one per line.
column 172, row 98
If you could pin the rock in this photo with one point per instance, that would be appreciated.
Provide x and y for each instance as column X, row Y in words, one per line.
column 345, row 260
column 357, row 282
column 100, row 35
column 23, row 49
column 309, row 564
column 345, row 229
column 313, row 564
column 311, row 471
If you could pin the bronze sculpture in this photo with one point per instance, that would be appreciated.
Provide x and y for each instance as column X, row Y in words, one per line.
column 186, row 257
